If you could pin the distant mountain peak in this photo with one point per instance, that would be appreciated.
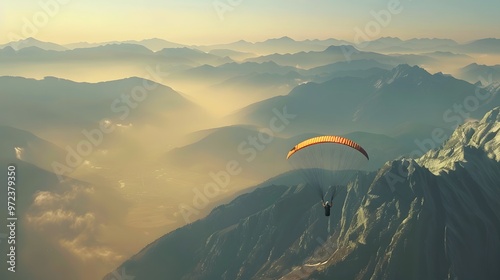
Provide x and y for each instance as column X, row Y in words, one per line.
column 122, row 47
column 488, row 40
column 284, row 38
column 32, row 42
column 153, row 39
column 8, row 49
column 405, row 70
column 431, row 39
column 406, row 67
column 270, row 62
column 388, row 38
column 341, row 48
column 31, row 39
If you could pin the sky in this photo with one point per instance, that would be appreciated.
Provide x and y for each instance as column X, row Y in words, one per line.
column 221, row 21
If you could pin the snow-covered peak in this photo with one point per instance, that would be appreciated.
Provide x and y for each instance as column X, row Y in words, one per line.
column 493, row 87
column 464, row 143
column 492, row 116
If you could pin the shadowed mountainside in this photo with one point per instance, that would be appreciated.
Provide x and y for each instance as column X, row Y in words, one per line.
column 434, row 218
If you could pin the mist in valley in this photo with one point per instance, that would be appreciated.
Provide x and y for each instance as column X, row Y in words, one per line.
column 122, row 142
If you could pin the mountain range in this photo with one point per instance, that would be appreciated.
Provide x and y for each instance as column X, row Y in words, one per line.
column 424, row 207
column 32, row 42
column 38, row 105
column 348, row 104
column 218, row 146
column 431, row 218
column 486, row 74
column 288, row 45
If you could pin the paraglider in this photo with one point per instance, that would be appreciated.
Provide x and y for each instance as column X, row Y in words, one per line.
column 327, row 161
column 327, row 205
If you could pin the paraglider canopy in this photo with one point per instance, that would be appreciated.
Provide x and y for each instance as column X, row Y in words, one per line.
column 327, row 161
column 327, row 139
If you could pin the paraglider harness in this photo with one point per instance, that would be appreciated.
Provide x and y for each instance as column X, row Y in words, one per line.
column 327, row 205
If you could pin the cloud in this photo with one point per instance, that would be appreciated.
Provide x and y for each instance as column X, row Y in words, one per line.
column 51, row 218
column 52, row 199
column 84, row 252
column 45, row 198
column 68, row 220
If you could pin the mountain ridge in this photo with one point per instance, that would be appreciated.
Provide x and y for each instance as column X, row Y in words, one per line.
column 405, row 89
column 404, row 222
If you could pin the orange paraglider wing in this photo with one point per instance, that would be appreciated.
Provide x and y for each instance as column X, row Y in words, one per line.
column 327, row 139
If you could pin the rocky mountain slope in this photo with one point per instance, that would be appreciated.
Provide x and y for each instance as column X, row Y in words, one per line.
column 436, row 217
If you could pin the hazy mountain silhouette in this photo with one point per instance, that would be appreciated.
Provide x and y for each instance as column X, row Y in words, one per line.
column 429, row 43
column 276, row 45
column 255, row 87
column 154, row 44
column 218, row 146
column 394, row 44
column 415, row 59
column 353, row 68
column 111, row 51
column 410, row 220
column 50, row 212
column 286, row 44
column 442, row 54
column 34, row 150
column 217, row 74
column 362, row 64
column 332, row 54
column 131, row 59
column 221, row 145
column 32, row 42
column 488, row 45
column 264, row 80
column 30, row 182
column 23, row 145
column 52, row 103
column 359, row 73
column 193, row 55
column 405, row 95
column 474, row 73
column 129, row 186
column 235, row 55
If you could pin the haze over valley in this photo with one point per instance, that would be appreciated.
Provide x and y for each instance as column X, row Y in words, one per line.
column 155, row 146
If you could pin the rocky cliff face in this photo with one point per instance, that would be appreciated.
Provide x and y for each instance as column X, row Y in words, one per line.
column 437, row 217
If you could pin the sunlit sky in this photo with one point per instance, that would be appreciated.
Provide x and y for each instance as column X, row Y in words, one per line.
column 198, row 22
